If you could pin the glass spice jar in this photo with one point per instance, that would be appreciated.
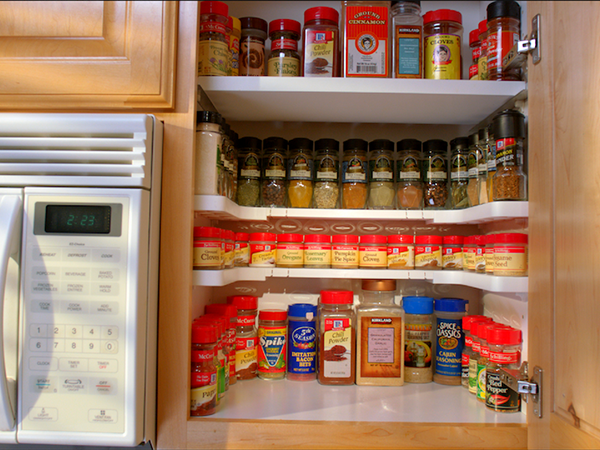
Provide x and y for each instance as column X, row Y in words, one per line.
column 491, row 162
column 246, row 345
column 213, row 44
column 408, row 174
column 400, row 251
column 230, row 154
column 248, row 185
column 234, row 45
column 475, row 45
column 489, row 240
column 469, row 253
column 344, row 251
column 272, row 344
column 273, row 186
column 504, row 26
column 510, row 181
column 467, row 351
column 209, row 147
column 381, row 174
column 290, row 250
column 354, row 174
column 372, row 251
column 327, row 189
column 317, row 251
column 505, row 353
column 443, row 33
column 300, row 168
column 203, row 396
column 228, row 238
column 321, row 42
column 480, row 253
column 482, row 62
column 482, row 168
column 284, row 60
column 473, row 160
column 435, row 174
column 221, row 353
column 407, row 39
column 459, row 175
column 452, row 252
column 252, row 46
column 230, row 312
column 419, row 339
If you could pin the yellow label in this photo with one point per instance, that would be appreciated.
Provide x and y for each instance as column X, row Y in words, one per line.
column 442, row 57
column 511, row 263
column 381, row 354
column 283, row 66
column 453, row 261
column 402, row 260
column 228, row 258
column 291, row 257
column 264, row 257
column 343, row 258
column 207, row 256
column 377, row 258
column 242, row 256
column 482, row 68
column 213, row 58
column 245, row 358
column 317, row 257
column 201, row 395
column 489, row 262
column 425, row 260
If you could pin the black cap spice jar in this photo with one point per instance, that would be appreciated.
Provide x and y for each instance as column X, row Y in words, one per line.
column 435, row 174
column 274, row 172
column 510, row 180
column 503, row 24
column 252, row 46
column 354, row 174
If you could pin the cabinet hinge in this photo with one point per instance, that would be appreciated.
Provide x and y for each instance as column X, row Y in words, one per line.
column 518, row 380
column 517, row 56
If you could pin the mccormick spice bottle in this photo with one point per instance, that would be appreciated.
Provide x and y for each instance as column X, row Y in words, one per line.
column 482, row 71
column 273, row 188
column 213, row 45
column 272, row 341
column 372, row 251
column 290, row 250
column 344, row 251
column 252, row 46
column 452, row 252
column 476, row 348
column 327, row 161
column 467, row 352
column 302, row 342
column 208, row 248
column 428, row 252
column 354, row 174
column 246, row 343
column 221, row 352
column 263, row 250
column 284, row 60
column 449, row 340
column 443, row 32
column 337, row 338
column 242, row 250
column 381, row 174
column 407, row 39
column 230, row 312
column 400, row 251
column 435, row 174
column 320, row 42
column 510, row 181
column 203, row 396
column 317, row 251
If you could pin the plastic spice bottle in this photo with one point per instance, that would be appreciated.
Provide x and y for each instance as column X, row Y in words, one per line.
column 407, row 39
column 354, row 174
column 467, row 352
column 300, row 168
column 480, row 253
column 482, row 168
column 248, row 186
column 482, row 359
column 419, row 339
column 469, row 253
column 475, row 46
column 443, row 32
column 476, row 348
column 290, row 250
column 372, row 251
column 380, row 332
column 273, row 189
column 490, row 240
column 213, row 45
column 452, row 252
column 207, row 248
column 459, row 172
column 327, row 162
column 510, row 181
column 302, row 342
column 221, row 350
column 252, row 46
column 344, row 251
column 228, row 248
column 203, row 396
column 246, row 343
column 449, row 340
column 408, row 174
column 320, row 42
column 505, row 353
column 242, row 250
column 284, row 60
column 482, row 63
column 510, row 254
column 473, row 159
column 503, row 24
column 230, row 312
column 234, row 45
column 209, row 145
column 337, row 338
column 435, row 174
column 317, row 251
column 400, row 251
column 272, row 344
column 381, row 174
column 428, row 252
column 263, row 250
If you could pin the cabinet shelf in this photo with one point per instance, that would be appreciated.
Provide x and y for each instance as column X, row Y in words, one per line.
column 352, row 100
column 490, row 283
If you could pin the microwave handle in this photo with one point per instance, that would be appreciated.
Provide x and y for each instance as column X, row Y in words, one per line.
column 10, row 211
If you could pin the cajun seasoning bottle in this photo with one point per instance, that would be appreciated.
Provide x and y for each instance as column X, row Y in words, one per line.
column 300, row 169
column 505, row 353
column 302, row 342
column 407, row 39
column 213, row 45
column 284, row 60
column 337, row 338
column 203, row 395
column 252, row 46
column 274, row 172
column 510, row 181
column 354, row 174
column 246, row 336
column 327, row 161
column 443, row 32
column 435, row 174
column 504, row 26
column 449, row 340
column 272, row 340
column 381, row 174
column 320, row 42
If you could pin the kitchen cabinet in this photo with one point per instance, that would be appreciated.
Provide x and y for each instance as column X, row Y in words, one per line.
column 87, row 55
column 411, row 416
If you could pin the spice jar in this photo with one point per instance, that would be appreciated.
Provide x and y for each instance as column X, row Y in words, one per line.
column 372, row 252
column 203, row 396
column 491, row 162
column 242, row 250
column 337, row 338
column 482, row 168
column 263, row 250
column 452, row 252
column 230, row 312
column 473, row 159
column 469, row 253
column 273, row 189
column 302, row 342
column 284, row 60
column 327, row 162
column 510, row 181
column 320, row 42
column 419, row 339
column 234, row 45
column 503, row 24
column 246, row 336
column 428, row 252
column 407, row 39
column 505, row 353
column 317, row 251
column 480, row 254
column 209, row 144
column 213, row 44
column 252, row 46
column 354, row 174
column 221, row 351
column 467, row 351
column 207, row 248
column 400, row 251
column 443, row 32
column 489, row 240
column 290, row 250
column 248, row 186
column 435, row 174
column 449, row 340
column 300, row 173
column 510, row 254
column 476, row 352
column 459, row 175
column 475, row 45
column 272, row 344
column 408, row 174
column 482, row 63
column 344, row 251
column 380, row 330
column 482, row 359
column 230, row 157
column 381, row 174
column 228, row 248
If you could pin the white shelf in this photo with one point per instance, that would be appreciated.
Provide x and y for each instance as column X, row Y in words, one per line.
column 479, row 281
column 352, row 100
column 221, row 208
column 416, row 403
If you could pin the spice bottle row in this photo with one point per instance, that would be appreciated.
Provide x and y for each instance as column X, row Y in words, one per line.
column 372, row 39
column 375, row 343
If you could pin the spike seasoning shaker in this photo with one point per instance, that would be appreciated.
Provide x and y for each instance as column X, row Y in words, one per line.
column 272, row 340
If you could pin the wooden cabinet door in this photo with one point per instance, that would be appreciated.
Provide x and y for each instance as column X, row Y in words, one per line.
column 564, row 225
column 87, row 55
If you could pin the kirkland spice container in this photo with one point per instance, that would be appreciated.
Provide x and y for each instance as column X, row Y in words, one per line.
column 321, row 42
column 407, row 39
column 302, row 342
column 272, row 341
column 443, row 32
column 449, row 340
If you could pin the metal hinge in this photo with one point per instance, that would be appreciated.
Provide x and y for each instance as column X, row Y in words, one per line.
column 517, row 56
column 518, row 380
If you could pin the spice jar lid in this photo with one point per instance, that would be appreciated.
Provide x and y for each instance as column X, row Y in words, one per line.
column 284, row 25
column 344, row 239
column 416, row 2
column 301, row 144
column 241, row 236
column 235, row 23
column 305, row 310
column 337, row 297
column 213, row 232
column 511, row 238
column 479, row 239
column 310, row 238
column 222, row 309
column 214, row 7
column 208, row 117
column 459, row 143
column 289, row 237
column 243, row 302
column 275, row 142
column 321, row 12
column 504, row 336
column 220, row 322
column 355, row 144
column 442, row 14
column 417, row 305
column 469, row 240
column 490, row 239
column 468, row 320
column 476, row 324
column 482, row 27
column 400, row 239
column 327, row 144
column 381, row 144
column 254, row 22
column 409, row 144
column 503, row 8
column 270, row 237
column 250, row 142
column 204, row 333
column 449, row 240
column 229, row 235
column 272, row 314
column 474, row 139
column 450, row 304
column 428, row 239
column 483, row 134
column 474, row 36
column 379, row 285
column 373, row 239
column 435, row 145
column 508, row 123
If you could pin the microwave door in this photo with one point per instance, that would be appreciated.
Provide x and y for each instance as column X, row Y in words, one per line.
column 10, row 244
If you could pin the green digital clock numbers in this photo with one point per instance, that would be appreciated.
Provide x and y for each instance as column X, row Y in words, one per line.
column 77, row 219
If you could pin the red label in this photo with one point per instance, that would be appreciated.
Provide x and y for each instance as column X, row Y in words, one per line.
column 505, row 358
column 248, row 343
column 246, row 321
column 452, row 251
column 336, row 324
column 465, row 359
column 485, row 351
column 396, row 250
column 204, row 379
column 499, row 44
column 509, row 249
column 473, row 70
column 426, row 249
column 284, row 44
column 215, row 27
column 476, row 346
column 476, row 53
column 203, row 355
column 468, row 341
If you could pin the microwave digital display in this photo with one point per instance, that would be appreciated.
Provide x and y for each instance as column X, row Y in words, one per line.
column 78, row 219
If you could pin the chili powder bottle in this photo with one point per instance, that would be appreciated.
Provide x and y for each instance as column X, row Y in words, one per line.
column 203, row 397
column 321, row 42
column 246, row 336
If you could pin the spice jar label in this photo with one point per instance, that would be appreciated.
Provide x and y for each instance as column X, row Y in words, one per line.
column 300, row 168
column 252, row 57
column 452, row 258
column 203, row 390
column 275, row 167
column 319, row 53
column 354, row 170
column 409, row 169
column 459, row 167
column 344, row 256
column 509, row 260
column 499, row 396
column 262, row 254
column 283, row 66
column 337, row 341
column 207, row 254
column 367, row 35
column 213, row 58
column 303, row 350
column 498, row 46
column 418, row 346
column 381, row 169
column 327, row 169
column 246, row 357
column 506, row 152
column 448, row 353
column 271, row 349
column 290, row 255
column 381, row 340
column 373, row 257
column 318, row 255
column 436, row 169
column 401, row 257
column 442, row 57
column 242, row 254
column 249, row 166
column 408, row 54
column 428, row 256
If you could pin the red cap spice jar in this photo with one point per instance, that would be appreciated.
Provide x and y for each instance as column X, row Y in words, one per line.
column 469, row 253
column 475, row 45
column 228, row 237
column 208, row 252
column 510, row 255
column 213, row 43
column 344, row 251
column 503, row 23
column 489, row 240
column 452, row 252
column 443, row 32
column 400, row 251
column 505, row 353
column 476, row 348
column 272, row 348
column 263, row 249
column 221, row 353
column 246, row 336
column 203, row 396
column 290, row 250
column 467, row 351
column 372, row 252
column 482, row 62
column 320, row 42
column 230, row 312
column 428, row 252
column 242, row 250
column 317, row 251
column 284, row 60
